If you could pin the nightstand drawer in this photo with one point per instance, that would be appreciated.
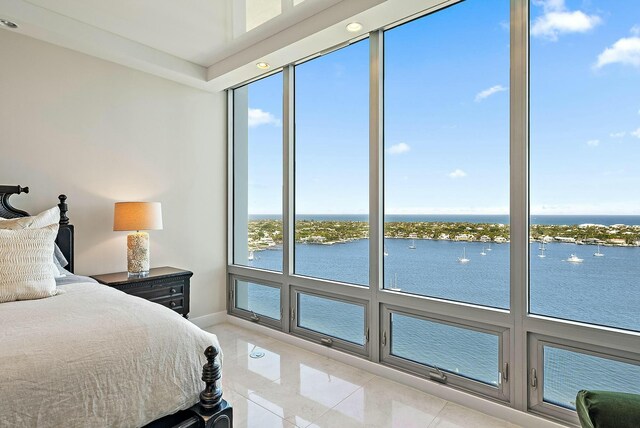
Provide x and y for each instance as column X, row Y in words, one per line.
column 175, row 288
column 177, row 304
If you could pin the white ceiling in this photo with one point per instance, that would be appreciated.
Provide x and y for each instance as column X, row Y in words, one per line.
column 210, row 44
column 193, row 30
column 198, row 31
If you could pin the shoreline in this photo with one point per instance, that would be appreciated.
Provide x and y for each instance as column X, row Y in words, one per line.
column 278, row 246
column 263, row 234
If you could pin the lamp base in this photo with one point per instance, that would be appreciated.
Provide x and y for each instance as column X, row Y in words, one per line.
column 138, row 254
column 138, row 274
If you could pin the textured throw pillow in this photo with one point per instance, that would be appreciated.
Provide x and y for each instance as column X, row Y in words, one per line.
column 26, row 265
column 45, row 218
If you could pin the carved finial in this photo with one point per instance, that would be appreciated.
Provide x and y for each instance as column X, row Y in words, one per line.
column 211, row 397
column 64, row 220
column 23, row 189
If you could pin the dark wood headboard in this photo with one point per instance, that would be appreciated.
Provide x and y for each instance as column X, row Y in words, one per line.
column 65, row 233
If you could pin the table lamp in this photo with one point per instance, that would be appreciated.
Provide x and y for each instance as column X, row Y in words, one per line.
column 137, row 216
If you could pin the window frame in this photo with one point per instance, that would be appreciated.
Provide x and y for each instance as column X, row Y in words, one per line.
column 250, row 315
column 319, row 337
column 537, row 343
column 500, row 392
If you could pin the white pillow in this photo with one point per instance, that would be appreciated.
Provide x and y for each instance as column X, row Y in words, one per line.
column 45, row 218
column 26, row 266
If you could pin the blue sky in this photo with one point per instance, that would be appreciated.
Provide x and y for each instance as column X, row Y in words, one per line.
column 447, row 116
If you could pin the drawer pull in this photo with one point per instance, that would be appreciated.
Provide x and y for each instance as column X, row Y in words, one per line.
column 172, row 291
column 172, row 304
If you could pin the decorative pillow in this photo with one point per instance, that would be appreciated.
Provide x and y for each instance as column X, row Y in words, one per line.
column 45, row 218
column 26, row 265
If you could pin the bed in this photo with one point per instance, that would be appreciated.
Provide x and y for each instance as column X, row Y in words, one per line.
column 95, row 356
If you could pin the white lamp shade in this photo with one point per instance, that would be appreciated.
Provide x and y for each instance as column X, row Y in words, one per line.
column 137, row 216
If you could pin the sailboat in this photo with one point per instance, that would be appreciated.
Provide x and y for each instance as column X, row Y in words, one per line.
column 574, row 259
column 413, row 244
column 598, row 253
column 464, row 258
column 251, row 256
column 386, row 252
column 489, row 247
column 393, row 286
column 483, row 253
column 542, row 250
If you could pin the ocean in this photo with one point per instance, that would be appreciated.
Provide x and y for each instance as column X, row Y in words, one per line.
column 599, row 290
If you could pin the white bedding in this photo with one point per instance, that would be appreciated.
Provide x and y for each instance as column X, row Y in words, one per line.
column 96, row 357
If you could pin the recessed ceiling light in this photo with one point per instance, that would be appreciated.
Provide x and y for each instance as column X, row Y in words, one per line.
column 262, row 65
column 8, row 24
column 354, row 27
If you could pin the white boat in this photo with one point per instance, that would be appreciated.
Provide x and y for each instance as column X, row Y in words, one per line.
column 489, row 247
column 542, row 250
column 598, row 253
column 386, row 252
column 483, row 253
column 393, row 286
column 464, row 258
column 413, row 244
column 251, row 256
column 574, row 259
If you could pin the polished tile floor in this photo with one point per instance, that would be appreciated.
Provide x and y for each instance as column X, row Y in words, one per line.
column 273, row 384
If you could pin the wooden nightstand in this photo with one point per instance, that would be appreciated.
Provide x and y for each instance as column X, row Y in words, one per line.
column 166, row 286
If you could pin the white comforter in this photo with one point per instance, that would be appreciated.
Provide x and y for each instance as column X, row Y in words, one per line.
column 96, row 357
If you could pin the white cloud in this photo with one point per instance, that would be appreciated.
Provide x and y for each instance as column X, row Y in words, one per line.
column 635, row 30
column 458, row 173
column 617, row 134
column 488, row 92
column 625, row 51
column 636, row 133
column 399, row 148
column 558, row 20
column 593, row 143
column 259, row 117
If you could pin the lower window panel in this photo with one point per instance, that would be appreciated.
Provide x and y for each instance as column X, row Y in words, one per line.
column 567, row 372
column 342, row 320
column 260, row 299
column 464, row 352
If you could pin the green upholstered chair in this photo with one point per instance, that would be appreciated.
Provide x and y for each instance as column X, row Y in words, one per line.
column 605, row 409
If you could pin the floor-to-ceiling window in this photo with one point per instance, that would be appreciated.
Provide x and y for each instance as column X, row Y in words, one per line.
column 257, row 231
column 584, row 181
column 453, row 196
column 446, row 185
column 332, row 166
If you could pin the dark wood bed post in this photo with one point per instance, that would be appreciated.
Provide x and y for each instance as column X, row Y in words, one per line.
column 211, row 397
column 214, row 411
column 64, row 220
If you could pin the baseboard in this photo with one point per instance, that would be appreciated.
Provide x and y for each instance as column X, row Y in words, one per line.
column 446, row 393
column 210, row 319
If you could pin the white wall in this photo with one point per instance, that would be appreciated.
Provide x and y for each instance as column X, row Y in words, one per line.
column 100, row 133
